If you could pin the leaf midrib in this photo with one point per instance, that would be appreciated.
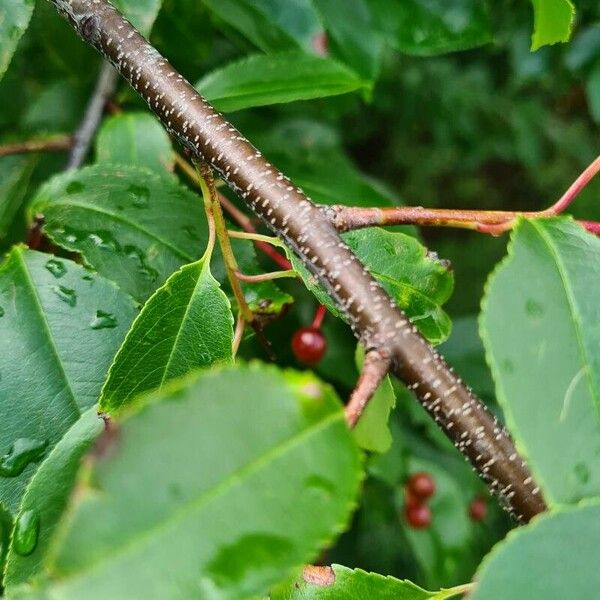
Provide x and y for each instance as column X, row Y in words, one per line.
column 46, row 325
column 230, row 482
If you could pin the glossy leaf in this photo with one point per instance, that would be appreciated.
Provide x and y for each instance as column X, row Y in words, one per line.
column 134, row 139
column 553, row 22
column 341, row 583
column 48, row 493
column 133, row 226
column 372, row 432
column 353, row 38
column 426, row 28
column 329, row 177
column 552, row 559
column 60, row 327
column 270, row 25
column 218, row 487
column 419, row 283
column 14, row 19
column 141, row 13
column 187, row 324
column 260, row 80
column 541, row 329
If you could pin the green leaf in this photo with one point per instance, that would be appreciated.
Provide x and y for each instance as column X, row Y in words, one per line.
column 141, row 13
column 260, row 80
column 133, row 226
column 15, row 173
column 418, row 282
column 592, row 88
column 540, row 325
column 553, row 22
column 134, row 139
column 205, row 491
column 341, row 583
column 14, row 19
column 372, row 432
column 48, row 493
column 429, row 27
column 186, row 324
column 552, row 559
column 270, row 25
column 464, row 351
column 326, row 175
column 353, row 38
column 60, row 327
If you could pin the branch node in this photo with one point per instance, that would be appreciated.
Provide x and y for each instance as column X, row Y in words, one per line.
column 375, row 368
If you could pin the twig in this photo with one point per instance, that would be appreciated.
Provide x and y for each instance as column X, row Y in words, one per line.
column 375, row 368
column 303, row 227
column 494, row 222
column 265, row 276
column 240, row 327
column 59, row 144
column 237, row 215
column 231, row 266
column 105, row 88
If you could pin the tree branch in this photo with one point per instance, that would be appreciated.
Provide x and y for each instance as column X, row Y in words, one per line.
column 495, row 222
column 375, row 368
column 59, row 144
column 286, row 210
column 82, row 139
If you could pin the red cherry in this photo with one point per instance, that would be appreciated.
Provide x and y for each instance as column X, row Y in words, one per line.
column 478, row 509
column 421, row 485
column 309, row 345
column 410, row 499
column 418, row 516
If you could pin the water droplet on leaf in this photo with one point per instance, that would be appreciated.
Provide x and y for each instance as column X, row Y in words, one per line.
column 25, row 536
column 75, row 187
column 191, row 233
column 56, row 267
column 140, row 195
column 103, row 320
column 66, row 294
column 23, row 452
column 582, row 472
column 534, row 309
column 508, row 365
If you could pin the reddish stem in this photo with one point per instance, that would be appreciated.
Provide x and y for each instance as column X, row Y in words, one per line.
column 493, row 222
column 319, row 316
column 563, row 202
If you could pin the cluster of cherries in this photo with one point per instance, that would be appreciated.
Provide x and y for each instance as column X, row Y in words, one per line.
column 419, row 488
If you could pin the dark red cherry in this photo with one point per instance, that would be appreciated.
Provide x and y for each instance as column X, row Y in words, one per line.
column 418, row 516
column 309, row 345
column 421, row 485
column 478, row 509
